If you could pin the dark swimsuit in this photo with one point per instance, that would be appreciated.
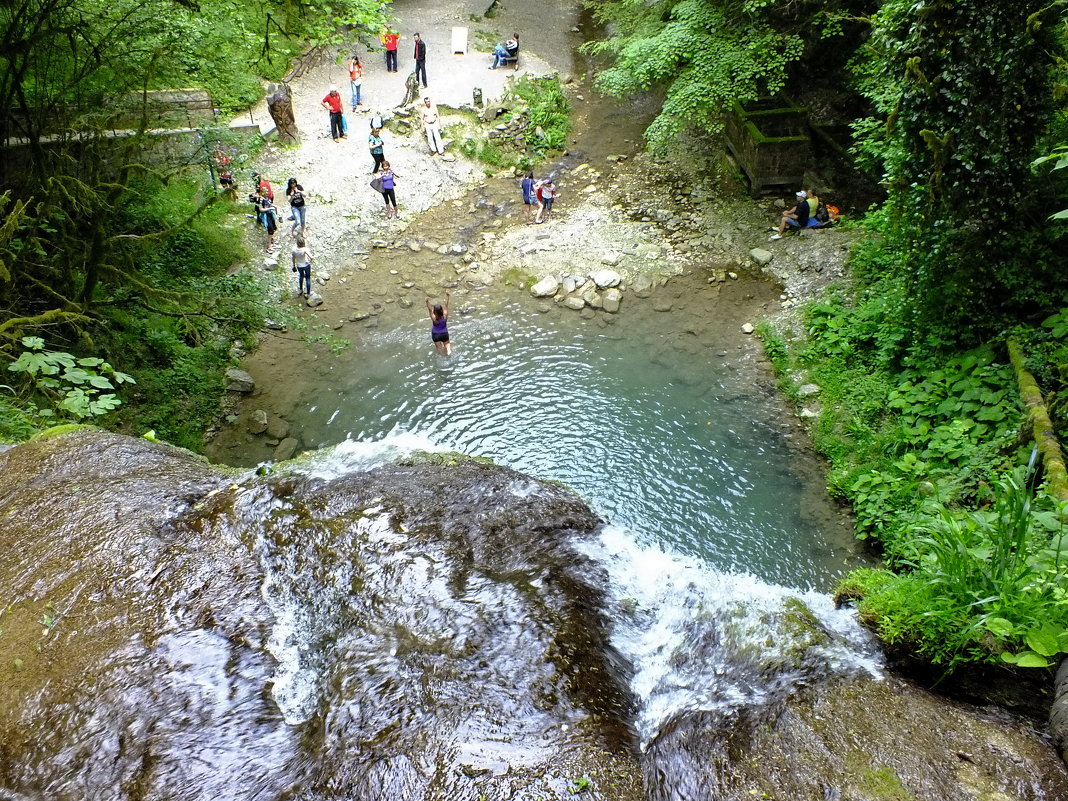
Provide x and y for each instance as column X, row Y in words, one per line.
column 439, row 330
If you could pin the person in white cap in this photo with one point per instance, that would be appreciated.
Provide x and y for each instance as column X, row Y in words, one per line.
column 429, row 112
column 798, row 218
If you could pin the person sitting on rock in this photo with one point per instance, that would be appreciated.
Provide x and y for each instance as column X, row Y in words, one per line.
column 796, row 218
column 505, row 51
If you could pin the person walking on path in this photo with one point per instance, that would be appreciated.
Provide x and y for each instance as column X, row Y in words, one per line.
column 429, row 112
column 546, row 193
column 388, row 182
column 390, row 38
column 420, row 59
column 355, row 81
column 332, row 103
column 302, row 261
column 439, row 325
column 298, row 206
column 375, row 144
column 529, row 200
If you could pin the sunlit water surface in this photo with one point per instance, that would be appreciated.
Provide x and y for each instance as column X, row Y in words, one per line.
column 650, row 427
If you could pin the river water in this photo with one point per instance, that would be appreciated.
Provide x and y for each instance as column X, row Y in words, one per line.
column 665, row 432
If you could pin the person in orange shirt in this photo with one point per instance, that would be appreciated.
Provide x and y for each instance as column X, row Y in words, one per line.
column 390, row 38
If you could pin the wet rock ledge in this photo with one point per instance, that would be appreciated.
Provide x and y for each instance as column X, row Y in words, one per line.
column 425, row 629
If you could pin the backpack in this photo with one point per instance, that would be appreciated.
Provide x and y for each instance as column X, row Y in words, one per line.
column 297, row 200
column 827, row 213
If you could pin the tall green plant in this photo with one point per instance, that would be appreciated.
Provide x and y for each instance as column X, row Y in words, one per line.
column 978, row 585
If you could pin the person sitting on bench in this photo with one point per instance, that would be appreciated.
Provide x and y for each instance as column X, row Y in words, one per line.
column 506, row 52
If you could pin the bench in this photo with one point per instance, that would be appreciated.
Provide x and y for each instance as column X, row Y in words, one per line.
column 514, row 60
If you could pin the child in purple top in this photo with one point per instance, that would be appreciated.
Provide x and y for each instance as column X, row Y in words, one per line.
column 439, row 327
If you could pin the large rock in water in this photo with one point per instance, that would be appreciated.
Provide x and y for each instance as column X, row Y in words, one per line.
column 417, row 631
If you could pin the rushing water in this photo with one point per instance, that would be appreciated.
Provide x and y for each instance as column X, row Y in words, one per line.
column 652, row 427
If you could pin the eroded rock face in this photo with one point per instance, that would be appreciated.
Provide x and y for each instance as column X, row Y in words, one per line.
column 863, row 738
column 212, row 636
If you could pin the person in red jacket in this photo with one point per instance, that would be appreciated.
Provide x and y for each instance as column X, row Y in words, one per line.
column 389, row 41
column 332, row 103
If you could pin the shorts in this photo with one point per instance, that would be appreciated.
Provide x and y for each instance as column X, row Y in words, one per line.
column 440, row 337
column 548, row 203
column 529, row 200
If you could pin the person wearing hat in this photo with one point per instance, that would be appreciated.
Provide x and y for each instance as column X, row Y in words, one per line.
column 798, row 218
column 429, row 112
column 332, row 103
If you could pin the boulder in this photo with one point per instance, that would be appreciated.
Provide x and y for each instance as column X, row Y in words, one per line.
column 592, row 298
column 761, row 256
column 611, row 258
column 574, row 302
column 546, row 287
column 747, row 328
column 642, row 285
column 286, row 448
column 237, row 380
column 314, row 299
column 277, row 428
column 808, row 390
column 662, row 305
column 606, row 278
column 568, row 285
column 611, row 300
column 257, row 422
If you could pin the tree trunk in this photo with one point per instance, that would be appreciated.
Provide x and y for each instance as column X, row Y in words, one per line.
column 280, row 104
column 1041, row 425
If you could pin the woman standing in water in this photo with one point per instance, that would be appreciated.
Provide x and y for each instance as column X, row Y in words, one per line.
column 439, row 327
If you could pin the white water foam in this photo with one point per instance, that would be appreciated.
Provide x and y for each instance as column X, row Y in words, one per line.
column 703, row 640
column 358, row 456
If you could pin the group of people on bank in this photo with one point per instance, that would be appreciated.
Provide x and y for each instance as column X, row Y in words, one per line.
column 538, row 196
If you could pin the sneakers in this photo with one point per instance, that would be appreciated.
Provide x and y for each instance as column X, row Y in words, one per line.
column 775, row 237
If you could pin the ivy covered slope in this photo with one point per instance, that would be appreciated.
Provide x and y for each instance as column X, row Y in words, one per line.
column 118, row 250
column 920, row 413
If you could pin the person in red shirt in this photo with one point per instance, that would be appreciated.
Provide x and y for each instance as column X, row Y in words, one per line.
column 389, row 40
column 332, row 103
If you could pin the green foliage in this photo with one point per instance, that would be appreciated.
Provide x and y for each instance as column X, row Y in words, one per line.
column 983, row 585
column 548, row 109
column 547, row 124
column 958, row 128
column 71, row 387
column 707, row 53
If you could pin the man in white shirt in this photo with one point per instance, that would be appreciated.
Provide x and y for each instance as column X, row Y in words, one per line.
column 429, row 112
